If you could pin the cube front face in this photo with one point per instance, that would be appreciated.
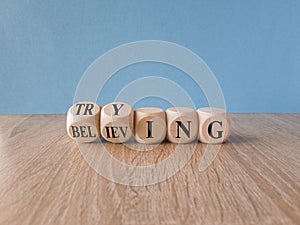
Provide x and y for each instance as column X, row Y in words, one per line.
column 182, row 125
column 84, row 131
column 214, row 125
column 150, row 125
column 83, row 122
column 116, row 123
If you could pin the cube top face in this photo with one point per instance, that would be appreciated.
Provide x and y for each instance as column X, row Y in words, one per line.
column 180, row 110
column 151, row 111
column 212, row 111
column 116, row 110
column 182, row 125
column 117, row 122
column 150, row 125
column 83, row 122
column 214, row 125
column 84, row 109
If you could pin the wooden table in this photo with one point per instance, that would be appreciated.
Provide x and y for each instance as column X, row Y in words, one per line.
column 254, row 179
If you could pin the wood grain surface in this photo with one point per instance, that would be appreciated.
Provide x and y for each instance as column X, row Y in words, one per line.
column 254, row 179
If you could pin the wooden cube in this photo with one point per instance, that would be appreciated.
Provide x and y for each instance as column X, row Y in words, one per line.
column 83, row 122
column 117, row 122
column 182, row 125
column 214, row 125
column 150, row 125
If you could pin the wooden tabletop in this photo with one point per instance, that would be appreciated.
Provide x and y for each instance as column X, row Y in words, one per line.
column 252, row 179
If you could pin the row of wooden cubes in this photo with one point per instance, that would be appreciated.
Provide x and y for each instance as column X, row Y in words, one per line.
column 117, row 122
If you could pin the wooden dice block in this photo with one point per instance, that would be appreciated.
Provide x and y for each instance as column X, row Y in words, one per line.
column 182, row 125
column 150, row 125
column 83, row 122
column 117, row 122
column 214, row 125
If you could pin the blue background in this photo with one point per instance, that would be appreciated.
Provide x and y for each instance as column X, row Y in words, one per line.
column 253, row 48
